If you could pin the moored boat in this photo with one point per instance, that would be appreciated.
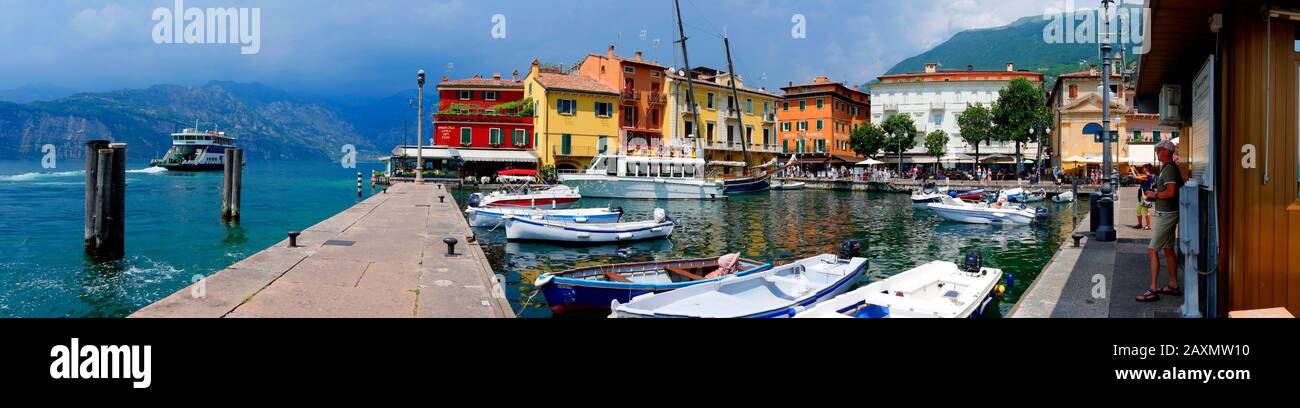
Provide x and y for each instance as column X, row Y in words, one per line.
column 747, row 184
column 527, row 195
column 646, row 177
column 937, row 289
column 778, row 292
column 524, row 228
column 788, row 185
column 1066, row 197
column 493, row 216
column 928, row 193
column 983, row 213
column 975, row 194
column 596, row 287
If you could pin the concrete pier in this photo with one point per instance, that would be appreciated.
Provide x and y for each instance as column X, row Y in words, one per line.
column 1100, row 279
column 384, row 257
column 907, row 185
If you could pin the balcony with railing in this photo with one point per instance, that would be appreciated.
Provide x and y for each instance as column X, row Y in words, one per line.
column 657, row 99
column 630, row 96
column 736, row 146
column 574, row 151
column 937, row 105
column 769, row 117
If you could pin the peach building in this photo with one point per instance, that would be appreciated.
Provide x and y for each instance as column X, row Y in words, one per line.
column 817, row 119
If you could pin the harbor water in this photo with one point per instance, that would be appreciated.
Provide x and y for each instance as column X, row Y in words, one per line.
column 174, row 234
column 173, row 230
column 783, row 226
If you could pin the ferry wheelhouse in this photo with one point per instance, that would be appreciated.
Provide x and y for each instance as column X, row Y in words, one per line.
column 195, row 150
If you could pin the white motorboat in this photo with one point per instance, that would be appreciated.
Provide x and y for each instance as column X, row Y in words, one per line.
column 525, row 228
column 494, row 216
column 983, row 213
column 928, row 194
column 937, row 289
column 1010, row 193
column 646, row 177
column 788, row 185
column 779, row 292
column 527, row 195
column 1066, row 197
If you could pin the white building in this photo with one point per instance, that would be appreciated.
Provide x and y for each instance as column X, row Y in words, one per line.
column 935, row 98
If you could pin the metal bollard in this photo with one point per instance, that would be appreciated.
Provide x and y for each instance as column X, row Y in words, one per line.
column 293, row 238
column 1077, row 236
column 451, row 245
column 440, row 198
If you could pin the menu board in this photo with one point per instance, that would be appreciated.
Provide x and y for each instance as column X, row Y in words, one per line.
column 1201, row 139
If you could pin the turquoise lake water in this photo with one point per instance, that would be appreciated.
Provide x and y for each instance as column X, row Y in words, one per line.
column 174, row 232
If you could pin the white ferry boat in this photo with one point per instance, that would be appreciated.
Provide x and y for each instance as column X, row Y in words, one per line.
column 646, row 177
column 195, row 150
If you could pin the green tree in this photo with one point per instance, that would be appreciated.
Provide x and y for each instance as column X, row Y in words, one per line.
column 976, row 124
column 1017, row 111
column 934, row 145
column 867, row 140
column 900, row 135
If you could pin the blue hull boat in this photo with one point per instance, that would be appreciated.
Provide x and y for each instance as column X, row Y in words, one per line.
column 743, row 185
column 596, row 287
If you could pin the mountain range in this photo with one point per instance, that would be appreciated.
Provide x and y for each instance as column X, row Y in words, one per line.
column 269, row 123
column 1020, row 42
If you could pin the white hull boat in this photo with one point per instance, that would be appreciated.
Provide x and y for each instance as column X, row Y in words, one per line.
column 788, row 185
column 646, row 178
column 935, row 290
column 780, row 292
column 1066, row 197
column 494, row 216
column 983, row 213
column 528, row 196
column 523, row 228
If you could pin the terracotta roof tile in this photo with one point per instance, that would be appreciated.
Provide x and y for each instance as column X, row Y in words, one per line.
column 576, row 83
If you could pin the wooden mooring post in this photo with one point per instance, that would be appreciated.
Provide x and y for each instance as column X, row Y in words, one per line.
column 105, row 199
column 232, row 184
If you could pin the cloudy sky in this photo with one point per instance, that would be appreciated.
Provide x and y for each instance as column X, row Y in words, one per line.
column 372, row 48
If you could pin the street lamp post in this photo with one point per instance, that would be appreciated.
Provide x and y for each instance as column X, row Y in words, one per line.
column 1106, row 228
column 419, row 133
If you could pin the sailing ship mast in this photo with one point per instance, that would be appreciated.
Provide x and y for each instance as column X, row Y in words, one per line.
column 690, row 80
column 735, row 96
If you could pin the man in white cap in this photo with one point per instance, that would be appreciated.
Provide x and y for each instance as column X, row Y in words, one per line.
column 1164, row 192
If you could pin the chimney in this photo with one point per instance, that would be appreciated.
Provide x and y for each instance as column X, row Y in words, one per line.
column 1092, row 69
column 477, row 77
column 931, row 68
column 638, row 55
column 496, row 76
column 821, row 79
column 516, row 75
column 970, row 68
column 1011, row 67
column 611, row 51
column 444, row 78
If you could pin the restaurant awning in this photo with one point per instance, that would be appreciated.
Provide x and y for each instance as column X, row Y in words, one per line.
column 1141, row 154
column 469, row 155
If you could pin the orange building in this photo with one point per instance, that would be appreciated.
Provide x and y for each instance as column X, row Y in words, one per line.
column 641, row 95
column 818, row 118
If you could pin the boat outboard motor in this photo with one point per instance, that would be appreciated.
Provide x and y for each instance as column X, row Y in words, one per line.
column 851, row 249
column 1041, row 212
column 475, row 199
column 973, row 261
column 660, row 215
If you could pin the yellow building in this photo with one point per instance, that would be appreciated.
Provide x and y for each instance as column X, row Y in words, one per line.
column 576, row 117
column 723, row 117
column 1075, row 102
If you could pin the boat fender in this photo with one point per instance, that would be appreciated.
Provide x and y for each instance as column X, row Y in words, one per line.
column 625, row 235
column 794, row 311
column 544, row 280
column 1011, row 280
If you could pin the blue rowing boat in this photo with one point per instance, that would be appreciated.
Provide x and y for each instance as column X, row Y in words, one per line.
column 596, row 287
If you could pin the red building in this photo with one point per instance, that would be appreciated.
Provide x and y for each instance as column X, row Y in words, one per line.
column 483, row 113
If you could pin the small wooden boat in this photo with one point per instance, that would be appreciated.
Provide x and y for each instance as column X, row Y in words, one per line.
column 778, row 292
column 935, row 290
column 595, row 287
column 983, row 213
column 788, row 185
column 493, row 216
column 522, row 228
column 1066, row 197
